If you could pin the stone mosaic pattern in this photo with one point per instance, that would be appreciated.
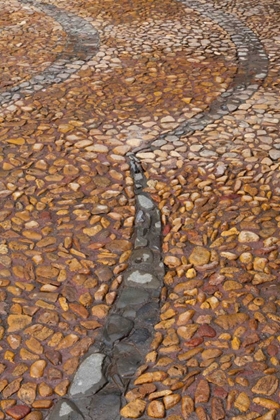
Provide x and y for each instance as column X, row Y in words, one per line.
column 140, row 134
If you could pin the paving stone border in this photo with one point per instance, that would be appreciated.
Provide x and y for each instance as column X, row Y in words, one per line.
column 82, row 44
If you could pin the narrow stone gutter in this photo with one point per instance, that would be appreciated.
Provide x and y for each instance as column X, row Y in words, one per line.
column 99, row 385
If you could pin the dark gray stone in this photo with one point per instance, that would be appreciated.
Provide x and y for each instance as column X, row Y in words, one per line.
column 106, row 404
column 131, row 296
column 117, row 327
column 140, row 336
column 148, row 313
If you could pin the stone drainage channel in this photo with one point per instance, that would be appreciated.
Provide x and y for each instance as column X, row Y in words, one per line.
column 103, row 377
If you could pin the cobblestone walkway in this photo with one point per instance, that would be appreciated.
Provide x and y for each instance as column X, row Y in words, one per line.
column 139, row 209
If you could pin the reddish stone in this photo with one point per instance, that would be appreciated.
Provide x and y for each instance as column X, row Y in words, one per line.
column 217, row 409
column 206, row 331
column 272, row 349
column 46, row 215
column 250, row 339
column 18, row 411
column 194, row 342
column 209, row 288
column 220, row 392
column 166, row 229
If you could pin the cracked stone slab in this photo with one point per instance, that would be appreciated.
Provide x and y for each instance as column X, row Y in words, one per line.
column 89, row 376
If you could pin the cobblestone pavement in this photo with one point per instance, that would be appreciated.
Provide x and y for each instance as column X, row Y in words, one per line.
column 139, row 211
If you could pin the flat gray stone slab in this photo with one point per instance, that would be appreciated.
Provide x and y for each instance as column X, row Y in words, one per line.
column 89, row 376
column 131, row 296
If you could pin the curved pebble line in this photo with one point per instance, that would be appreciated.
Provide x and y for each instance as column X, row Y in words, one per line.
column 82, row 44
column 252, row 70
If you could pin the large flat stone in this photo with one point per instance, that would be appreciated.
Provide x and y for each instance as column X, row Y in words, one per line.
column 131, row 296
column 89, row 376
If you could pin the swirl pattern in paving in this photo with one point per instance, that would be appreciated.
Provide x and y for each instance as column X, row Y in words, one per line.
column 68, row 215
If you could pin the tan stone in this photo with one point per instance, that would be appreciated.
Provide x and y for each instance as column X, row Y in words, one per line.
column 270, row 415
column 149, row 377
column 47, row 271
column 187, row 407
column 4, row 404
column 184, row 317
column 27, row 393
column 61, row 388
column 218, row 377
column 82, row 346
column 267, row 403
column 18, row 322
column 34, row 415
column 202, row 392
column 172, row 261
column 242, row 402
column 210, row 354
column 17, row 141
column 171, row 400
column 71, row 365
column 42, row 404
column 187, row 332
column 3, row 384
column 230, row 321
column 90, row 325
column 267, row 385
column 156, row 409
column 39, row 331
column 246, row 257
column 27, row 355
column 201, row 414
column 247, row 236
column 34, row 345
column 231, row 285
column 134, row 409
column 217, row 409
column 37, row 369
column 199, row 256
column 67, row 341
column 31, row 234
column 11, row 388
column 45, row 390
column 92, row 231
column 46, row 242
